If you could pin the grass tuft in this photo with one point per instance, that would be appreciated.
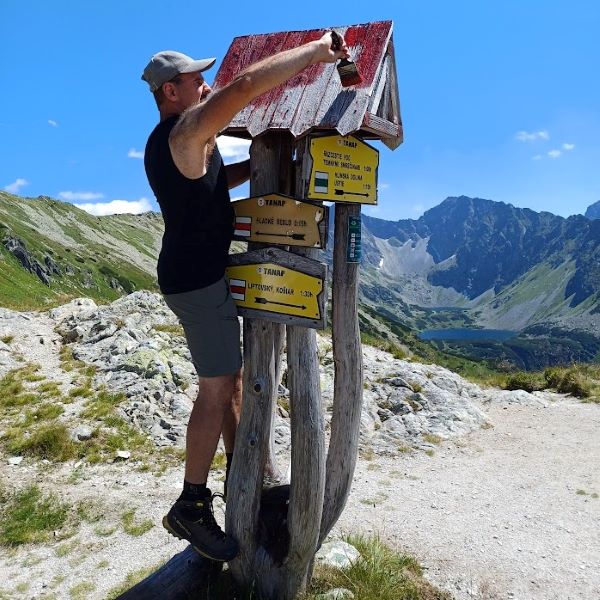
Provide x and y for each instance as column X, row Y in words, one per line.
column 50, row 442
column 28, row 516
column 380, row 574
column 133, row 527
column 132, row 579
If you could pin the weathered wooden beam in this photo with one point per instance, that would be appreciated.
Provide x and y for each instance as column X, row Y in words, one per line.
column 348, row 370
column 308, row 455
column 186, row 575
column 252, row 445
column 308, row 433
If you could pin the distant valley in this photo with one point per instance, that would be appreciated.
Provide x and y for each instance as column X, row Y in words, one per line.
column 473, row 263
column 465, row 264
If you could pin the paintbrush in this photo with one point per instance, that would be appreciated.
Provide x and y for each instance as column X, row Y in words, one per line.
column 346, row 68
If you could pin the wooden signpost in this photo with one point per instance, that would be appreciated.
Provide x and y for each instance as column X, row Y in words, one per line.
column 279, row 219
column 308, row 142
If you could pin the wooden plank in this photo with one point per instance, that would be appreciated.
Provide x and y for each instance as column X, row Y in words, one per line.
column 318, row 92
column 279, row 256
column 395, row 116
column 280, row 112
column 383, row 128
column 379, row 88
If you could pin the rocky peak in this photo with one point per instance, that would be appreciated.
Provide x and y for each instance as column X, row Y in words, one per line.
column 593, row 211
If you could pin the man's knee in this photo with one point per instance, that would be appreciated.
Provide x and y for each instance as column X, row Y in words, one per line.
column 220, row 388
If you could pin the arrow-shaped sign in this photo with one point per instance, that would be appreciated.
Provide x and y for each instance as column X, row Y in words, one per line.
column 339, row 192
column 293, row 236
column 260, row 300
column 295, row 222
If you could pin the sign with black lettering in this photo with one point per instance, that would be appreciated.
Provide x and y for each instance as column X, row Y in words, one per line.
column 279, row 219
column 344, row 169
column 278, row 286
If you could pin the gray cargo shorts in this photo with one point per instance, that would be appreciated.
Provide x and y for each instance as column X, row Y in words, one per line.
column 210, row 322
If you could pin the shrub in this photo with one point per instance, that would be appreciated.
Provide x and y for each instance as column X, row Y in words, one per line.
column 569, row 381
column 530, row 382
column 574, row 384
column 553, row 377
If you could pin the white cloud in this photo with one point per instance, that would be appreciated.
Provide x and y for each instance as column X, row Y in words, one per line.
column 537, row 157
column 116, row 207
column 526, row 136
column 384, row 186
column 568, row 147
column 52, row 122
column 417, row 209
column 15, row 186
column 71, row 196
column 233, row 149
column 133, row 153
column 554, row 153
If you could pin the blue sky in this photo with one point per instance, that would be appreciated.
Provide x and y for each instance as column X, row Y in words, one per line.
column 499, row 100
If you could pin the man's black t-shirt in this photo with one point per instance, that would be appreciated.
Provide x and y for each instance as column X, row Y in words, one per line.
column 197, row 214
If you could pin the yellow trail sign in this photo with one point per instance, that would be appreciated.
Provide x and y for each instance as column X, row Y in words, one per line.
column 279, row 219
column 280, row 286
column 275, row 288
column 344, row 169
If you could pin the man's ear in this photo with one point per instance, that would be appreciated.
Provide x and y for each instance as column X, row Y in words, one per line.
column 169, row 91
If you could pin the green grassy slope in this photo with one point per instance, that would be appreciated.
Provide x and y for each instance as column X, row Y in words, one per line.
column 83, row 255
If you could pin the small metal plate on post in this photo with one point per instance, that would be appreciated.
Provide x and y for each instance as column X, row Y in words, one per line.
column 279, row 286
column 279, row 219
column 354, row 250
column 344, row 169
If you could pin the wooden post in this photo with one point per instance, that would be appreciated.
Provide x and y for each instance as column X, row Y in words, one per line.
column 308, row 437
column 348, row 385
column 348, row 367
column 269, row 163
column 254, row 565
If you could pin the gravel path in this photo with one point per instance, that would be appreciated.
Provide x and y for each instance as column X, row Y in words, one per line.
column 507, row 512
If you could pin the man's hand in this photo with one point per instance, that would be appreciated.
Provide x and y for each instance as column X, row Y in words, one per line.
column 328, row 49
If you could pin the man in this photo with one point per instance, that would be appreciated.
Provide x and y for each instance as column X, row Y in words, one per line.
column 191, row 184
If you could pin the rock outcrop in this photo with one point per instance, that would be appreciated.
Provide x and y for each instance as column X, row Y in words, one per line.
column 137, row 347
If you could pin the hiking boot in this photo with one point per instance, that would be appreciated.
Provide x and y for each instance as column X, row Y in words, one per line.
column 195, row 522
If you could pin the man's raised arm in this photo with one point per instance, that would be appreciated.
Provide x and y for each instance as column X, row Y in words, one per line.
column 202, row 121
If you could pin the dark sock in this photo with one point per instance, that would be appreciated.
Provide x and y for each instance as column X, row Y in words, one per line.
column 229, row 457
column 192, row 491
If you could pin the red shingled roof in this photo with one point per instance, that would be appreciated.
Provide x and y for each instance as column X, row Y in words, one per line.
column 315, row 99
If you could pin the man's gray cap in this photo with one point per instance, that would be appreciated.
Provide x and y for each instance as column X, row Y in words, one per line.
column 167, row 64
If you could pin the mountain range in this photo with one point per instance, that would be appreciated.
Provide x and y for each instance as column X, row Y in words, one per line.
column 467, row 263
